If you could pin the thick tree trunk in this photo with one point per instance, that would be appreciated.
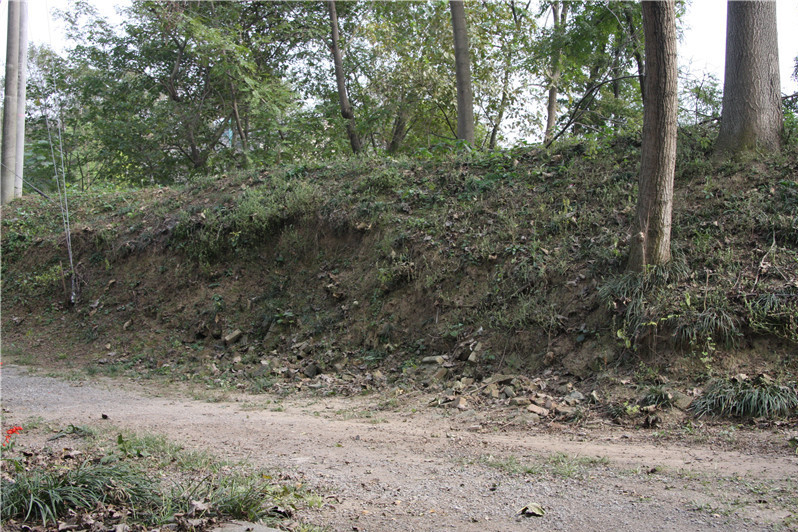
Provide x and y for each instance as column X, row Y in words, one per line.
column 9, row 150
column 651, row 237
column 400, row 129
column 752, row 115
column 465, row 98
column 560, row 13
column 340, row 78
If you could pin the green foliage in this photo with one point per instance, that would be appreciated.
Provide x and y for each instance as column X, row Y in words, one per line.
column 657, row 396
column 746, row 398
column 775, row 314
column 258, row 213
column 643, row 299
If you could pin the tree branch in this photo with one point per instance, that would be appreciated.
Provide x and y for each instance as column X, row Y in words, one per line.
column 578, row 111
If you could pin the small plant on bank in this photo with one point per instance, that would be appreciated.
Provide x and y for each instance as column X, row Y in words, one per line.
column 746, row 398
column 657, row 396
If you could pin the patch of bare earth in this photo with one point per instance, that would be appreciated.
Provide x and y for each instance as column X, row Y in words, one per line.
column 411, row 467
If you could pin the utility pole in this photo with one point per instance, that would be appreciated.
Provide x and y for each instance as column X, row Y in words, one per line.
column 22, row 76
column 9, row 152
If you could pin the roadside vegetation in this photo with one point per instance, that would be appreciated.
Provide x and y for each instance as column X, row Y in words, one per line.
column 85, row 478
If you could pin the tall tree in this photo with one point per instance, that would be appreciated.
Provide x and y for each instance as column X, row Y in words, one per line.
column 651, row 236
column 340, row 78
column 465, row 98
column 560, row 14
column 752, row 114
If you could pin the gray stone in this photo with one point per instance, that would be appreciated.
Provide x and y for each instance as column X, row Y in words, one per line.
column 432, row 360
column 537, row 410
column 460, row 403
column 509, row 392
column 491, row 391
column 563, row 410
column 243, row 526
column 681, row 401
column 233, row 337
column 311, row 370
column 576, row 396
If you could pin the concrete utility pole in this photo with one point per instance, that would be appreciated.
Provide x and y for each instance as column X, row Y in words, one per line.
column 13, row 112
column 22, row 76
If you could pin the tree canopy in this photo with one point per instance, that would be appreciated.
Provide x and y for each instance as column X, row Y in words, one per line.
column 184, row 88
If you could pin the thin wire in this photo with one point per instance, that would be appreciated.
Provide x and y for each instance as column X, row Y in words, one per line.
column 62, row 198
column 13, row 171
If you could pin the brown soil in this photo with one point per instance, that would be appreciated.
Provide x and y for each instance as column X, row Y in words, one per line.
column 408, row 466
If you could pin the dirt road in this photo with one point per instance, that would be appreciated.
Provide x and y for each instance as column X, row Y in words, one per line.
column 403, row 466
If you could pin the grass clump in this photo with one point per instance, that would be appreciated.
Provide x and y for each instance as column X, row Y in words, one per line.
column 745, row 398
column 657, row 396
column 46, row 495
column 143, row 481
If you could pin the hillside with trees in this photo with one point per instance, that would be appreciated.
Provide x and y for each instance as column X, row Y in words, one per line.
column 337, row 197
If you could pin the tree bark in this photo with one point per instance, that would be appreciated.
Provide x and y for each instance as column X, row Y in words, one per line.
column 343, row 98
column 9, row 151
column 400, row 129
column 752, row 115
column 560, row 13
column 651, row 236
column 462, row 63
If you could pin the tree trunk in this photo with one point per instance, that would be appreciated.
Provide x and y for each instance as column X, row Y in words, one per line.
column 752, row 115
column 346, row 109
column 400, row 128
column 462, row 63
column 651, row 236
column 637, row 46
column 502, row 107
column 560, row 13
column 9, row 150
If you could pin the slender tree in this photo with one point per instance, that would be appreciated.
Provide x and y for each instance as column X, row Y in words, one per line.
column 340, row 78
column 465, row 97
column 560, row 14
column 752, row 115
column 651, row 237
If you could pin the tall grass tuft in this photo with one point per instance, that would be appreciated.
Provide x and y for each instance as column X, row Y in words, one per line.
column 45, row 496
column 746, row 398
